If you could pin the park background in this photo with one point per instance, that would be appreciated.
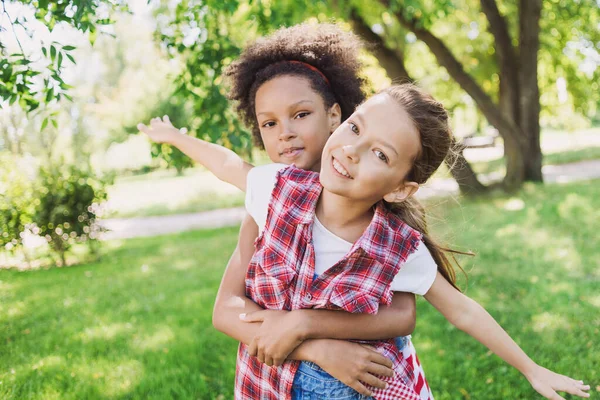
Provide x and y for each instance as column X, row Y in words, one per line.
column 110, row 262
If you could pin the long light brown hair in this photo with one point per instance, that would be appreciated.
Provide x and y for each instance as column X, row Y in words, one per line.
column 432, row 121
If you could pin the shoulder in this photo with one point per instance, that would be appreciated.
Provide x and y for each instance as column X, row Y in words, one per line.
column 264, row 174
column 418, row 272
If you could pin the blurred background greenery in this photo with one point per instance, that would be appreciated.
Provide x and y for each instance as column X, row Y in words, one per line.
column 131, row 318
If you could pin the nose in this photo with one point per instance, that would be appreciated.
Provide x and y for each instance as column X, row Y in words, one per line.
column 351, row 152
column 287, row 133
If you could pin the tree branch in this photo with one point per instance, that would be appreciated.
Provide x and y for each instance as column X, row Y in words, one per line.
column 392, row 61
column 499, row 29
column 507, row 128
column 508, row 62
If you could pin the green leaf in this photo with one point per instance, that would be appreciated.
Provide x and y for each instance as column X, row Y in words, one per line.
column 60, row 60
column 70, row 57
column 69, row 48
column 52, row 52
column 45, row 52
column 44, row 124
column 49, row 95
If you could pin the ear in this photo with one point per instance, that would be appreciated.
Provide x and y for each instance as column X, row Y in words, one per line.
column 335, row 117
column 402, row 193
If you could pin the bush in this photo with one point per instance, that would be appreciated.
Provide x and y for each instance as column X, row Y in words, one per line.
column 16, row 202
column 69, row 202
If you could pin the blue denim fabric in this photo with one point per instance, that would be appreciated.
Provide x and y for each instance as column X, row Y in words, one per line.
column 313, row 383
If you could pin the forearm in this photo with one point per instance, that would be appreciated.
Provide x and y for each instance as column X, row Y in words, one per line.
column 231, row 298
column 396, row 320
column 479, row 324
column 222, row 162
column 468, row 316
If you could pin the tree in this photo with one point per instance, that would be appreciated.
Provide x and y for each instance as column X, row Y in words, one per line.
column 513, row 107
column 31, row 80
column 507, row 53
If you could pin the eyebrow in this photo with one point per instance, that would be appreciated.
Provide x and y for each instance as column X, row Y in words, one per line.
column 389, row 146
column 383, row 142
column 361, row 120
column 296, row 104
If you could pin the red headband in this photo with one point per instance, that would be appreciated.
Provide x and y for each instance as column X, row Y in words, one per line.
column 312, row 68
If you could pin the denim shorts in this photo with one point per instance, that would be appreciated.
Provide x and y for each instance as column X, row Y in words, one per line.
column 313, row 383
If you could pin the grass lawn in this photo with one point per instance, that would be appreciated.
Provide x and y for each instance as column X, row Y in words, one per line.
column 136, row 324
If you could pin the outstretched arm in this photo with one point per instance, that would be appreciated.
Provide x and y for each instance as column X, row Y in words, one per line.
column 468, row 316
column 222, row 162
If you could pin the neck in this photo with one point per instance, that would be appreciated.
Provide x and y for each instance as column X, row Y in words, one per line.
column 345, row 217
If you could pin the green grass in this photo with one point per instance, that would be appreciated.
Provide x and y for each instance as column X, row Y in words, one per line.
column 136, row 324
column 164, row 193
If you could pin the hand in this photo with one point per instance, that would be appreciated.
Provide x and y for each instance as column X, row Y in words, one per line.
column 279, row 335
column 161, row 130
column 546, row 383
column 354, row 364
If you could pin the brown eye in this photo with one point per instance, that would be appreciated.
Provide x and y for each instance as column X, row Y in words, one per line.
column 381, row 156
column 302, row 114
column 268, row 124
column 354, row 128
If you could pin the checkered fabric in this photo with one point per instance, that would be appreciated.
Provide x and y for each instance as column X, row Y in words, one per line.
column 280, row 277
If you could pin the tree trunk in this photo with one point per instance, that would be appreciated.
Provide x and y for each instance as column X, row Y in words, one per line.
column 390, row 60
column 529, row 99
column 508, row 129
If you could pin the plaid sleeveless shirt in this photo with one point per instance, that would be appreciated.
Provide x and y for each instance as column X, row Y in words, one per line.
column 280, row 277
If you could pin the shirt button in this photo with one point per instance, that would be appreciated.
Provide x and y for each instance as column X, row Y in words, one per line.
column 308, row 296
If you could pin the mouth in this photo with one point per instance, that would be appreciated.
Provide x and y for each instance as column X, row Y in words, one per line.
column 339, row 168
column 291, row 152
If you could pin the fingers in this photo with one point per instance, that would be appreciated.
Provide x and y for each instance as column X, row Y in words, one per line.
column 142, row 128
column 381, row 370
column 252, row 349
column 380, row 359
column 572, row 386
column 260, row 354
column 166, row 119
column 268, row 360
column 255, row 316
column 373, row 381
column 278, row 360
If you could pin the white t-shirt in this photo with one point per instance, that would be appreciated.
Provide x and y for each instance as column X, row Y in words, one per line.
column 416, row 275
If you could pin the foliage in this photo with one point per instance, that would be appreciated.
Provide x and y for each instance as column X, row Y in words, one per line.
column 32, row 79
column 137, row 323
column 68, row 206
column 16, row 201
column 208, row 36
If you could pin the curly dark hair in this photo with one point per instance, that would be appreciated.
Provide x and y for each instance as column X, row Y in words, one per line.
column 326, row 47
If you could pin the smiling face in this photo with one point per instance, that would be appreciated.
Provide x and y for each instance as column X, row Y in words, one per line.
column 294, row 122
column 370, row 154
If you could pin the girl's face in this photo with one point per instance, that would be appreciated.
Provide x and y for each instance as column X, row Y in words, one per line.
column 294, row 122
column 368, row 156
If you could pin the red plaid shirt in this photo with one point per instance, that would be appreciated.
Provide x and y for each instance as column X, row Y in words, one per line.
column 280, row 277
